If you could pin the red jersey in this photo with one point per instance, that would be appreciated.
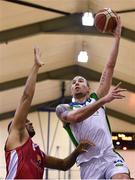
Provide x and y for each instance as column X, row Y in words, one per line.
column 25, row 162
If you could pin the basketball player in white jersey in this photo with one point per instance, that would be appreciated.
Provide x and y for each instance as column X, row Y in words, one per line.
column 85, row 118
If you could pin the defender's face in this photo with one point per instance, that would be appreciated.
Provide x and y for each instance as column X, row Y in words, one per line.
column 79, row 87
column 30, row 128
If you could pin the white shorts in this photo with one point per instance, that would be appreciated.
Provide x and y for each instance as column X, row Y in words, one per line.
column 104, row 167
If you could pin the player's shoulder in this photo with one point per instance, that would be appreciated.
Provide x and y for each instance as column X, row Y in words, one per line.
column 66, row 106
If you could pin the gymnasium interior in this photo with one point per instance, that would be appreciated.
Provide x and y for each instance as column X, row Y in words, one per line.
column 55, row 26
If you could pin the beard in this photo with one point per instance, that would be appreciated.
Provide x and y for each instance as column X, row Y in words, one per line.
column 79, row 95
column 31, row 132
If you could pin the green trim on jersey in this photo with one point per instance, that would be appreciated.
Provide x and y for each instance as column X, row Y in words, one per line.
column 94, row 96
column 68, row 129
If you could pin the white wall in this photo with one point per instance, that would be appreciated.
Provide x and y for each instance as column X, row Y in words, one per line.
column 61, row 139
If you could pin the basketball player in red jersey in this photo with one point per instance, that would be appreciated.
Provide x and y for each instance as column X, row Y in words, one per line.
column 24, row 159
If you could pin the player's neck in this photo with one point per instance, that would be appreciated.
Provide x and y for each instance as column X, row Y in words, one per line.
column 81, row 99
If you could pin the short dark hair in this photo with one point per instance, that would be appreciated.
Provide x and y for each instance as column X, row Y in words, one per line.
column 9, row 125
column 85, row 79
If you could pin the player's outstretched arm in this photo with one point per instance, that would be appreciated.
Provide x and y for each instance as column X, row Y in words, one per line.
column 106, row 77
column 26, row 99
column 65, row 114
column 68, row 162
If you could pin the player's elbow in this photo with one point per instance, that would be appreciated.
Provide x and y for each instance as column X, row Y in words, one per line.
column 66, row 166
column 26, row 96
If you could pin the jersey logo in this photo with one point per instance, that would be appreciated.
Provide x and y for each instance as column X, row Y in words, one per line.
column 34, row 146
column 118, row 162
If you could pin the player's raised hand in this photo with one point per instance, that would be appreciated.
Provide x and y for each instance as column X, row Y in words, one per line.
column 115, row 93
column 37, row 57
column 117, row 31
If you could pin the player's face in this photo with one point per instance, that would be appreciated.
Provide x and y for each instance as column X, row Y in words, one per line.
column 30, row 128
column 79, row 87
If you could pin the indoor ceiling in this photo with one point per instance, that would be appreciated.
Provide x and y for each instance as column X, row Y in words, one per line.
column 55, row 26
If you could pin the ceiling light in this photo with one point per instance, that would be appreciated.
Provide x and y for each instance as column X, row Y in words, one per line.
column 83, row 57
column 87, row 19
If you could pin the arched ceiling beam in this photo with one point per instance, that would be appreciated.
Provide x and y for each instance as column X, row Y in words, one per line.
column 67, row 74
column 63, row 25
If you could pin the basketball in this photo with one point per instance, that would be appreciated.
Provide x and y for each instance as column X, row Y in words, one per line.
column 105, row 20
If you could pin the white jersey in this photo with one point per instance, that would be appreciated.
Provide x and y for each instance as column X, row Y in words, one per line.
column 96, row 129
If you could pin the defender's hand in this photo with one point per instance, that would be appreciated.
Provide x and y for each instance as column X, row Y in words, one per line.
column 84, row 146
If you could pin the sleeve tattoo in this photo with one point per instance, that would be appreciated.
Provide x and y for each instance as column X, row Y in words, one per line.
column 62, row 111
column 103, row 78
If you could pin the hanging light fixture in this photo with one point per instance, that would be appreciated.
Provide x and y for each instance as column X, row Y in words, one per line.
column 83, row 55
column 87, row 19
